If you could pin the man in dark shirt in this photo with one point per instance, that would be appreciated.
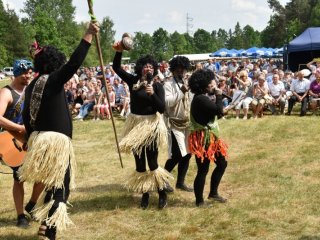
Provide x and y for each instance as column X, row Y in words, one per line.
column 49, row 131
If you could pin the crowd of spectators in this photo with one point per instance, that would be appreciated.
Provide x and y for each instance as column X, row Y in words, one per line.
column 251, row 88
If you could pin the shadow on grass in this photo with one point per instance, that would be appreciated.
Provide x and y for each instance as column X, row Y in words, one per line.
column 101, row 188
column 7, row 222
column 15, row 237
column 103, row 197
column 310, row 237
column 113, row 196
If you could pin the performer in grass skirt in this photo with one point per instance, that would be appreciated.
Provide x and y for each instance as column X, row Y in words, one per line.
column 204, row 140
column 144, row 129
column 50, row 157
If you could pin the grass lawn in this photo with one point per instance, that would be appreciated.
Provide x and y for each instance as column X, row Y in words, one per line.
column 272, row 186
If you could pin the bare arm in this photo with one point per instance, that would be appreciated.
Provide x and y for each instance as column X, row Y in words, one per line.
column 5, row 100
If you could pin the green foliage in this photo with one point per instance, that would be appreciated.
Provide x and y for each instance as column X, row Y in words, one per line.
column 162, row 47
column 203, row 41
column 179, row 43
column 315, row 15
column 107, row 39
column 142, row 45
column 53, row 22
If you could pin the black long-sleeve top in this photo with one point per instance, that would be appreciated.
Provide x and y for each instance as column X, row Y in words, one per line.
column 141, row 102
column 54, row 114
column 204, row 110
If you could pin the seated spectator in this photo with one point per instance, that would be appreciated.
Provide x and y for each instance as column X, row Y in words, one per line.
column 260, row 92
column 119, row 92
column 88, row 102
column 244, row 85
column 225, row 90
column 314, row 92
column 69, row 95
column 104, row 108
column 126, row 101
column 299, row 88
column 97, row 102
column 277, row 92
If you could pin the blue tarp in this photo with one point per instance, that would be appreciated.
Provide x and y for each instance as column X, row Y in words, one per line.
column 309, row 40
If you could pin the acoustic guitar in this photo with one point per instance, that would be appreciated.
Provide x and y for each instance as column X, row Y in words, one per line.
column 11, row 151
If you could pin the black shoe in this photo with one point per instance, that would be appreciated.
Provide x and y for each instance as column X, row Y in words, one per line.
column 144, row 201
column 22, row 221
column 162, row 200
column 288, row 113
column 184, row 187
column 168, row 188
column 217, row 198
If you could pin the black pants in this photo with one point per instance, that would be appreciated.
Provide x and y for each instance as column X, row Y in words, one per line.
column 176, row 158
column 58, row 195
column 304, row 103
column 152, row 158
column 203, row 168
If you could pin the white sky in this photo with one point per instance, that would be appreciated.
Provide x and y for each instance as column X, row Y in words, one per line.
column 147, row 16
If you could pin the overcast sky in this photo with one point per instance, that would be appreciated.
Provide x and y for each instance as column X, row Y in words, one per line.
column 147, row 16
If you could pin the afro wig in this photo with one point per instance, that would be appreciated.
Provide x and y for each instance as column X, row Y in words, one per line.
column 48, row 60
column 179, row 61
column 200, row 80
column 143, row 61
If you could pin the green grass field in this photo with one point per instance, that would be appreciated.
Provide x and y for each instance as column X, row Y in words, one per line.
column 272, row 186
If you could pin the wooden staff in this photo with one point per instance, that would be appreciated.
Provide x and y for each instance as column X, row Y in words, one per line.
column 104, row 78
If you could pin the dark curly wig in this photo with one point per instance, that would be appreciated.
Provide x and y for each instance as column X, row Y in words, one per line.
column 48, row 60
column 199, row 80
column 143, row 61
column 179, row 61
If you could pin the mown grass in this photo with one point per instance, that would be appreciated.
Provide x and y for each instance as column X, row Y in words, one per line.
column 272, row 184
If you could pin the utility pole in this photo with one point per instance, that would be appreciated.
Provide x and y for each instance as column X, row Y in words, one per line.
column 189, row 24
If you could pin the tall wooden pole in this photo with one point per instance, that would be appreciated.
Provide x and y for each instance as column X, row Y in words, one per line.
column 104, row 79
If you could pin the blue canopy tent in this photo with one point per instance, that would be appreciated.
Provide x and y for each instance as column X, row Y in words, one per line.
column 220, row 53
column 253, row 52
column 303, row 49
column 232, row 53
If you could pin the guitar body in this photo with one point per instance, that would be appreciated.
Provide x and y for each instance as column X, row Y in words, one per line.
column 9, row 152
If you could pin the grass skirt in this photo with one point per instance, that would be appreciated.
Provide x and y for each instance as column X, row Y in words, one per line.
column 143, row 131
column 142, row 182
column 47, row 160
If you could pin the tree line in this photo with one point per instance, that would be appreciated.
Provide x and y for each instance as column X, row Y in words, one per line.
column 53, row 22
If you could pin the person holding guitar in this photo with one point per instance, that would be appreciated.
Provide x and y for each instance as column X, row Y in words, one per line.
column 11, row 104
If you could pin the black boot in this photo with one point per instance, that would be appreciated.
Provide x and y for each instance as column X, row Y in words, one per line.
column 144, row 201
column 162, row 199
column 29, row 207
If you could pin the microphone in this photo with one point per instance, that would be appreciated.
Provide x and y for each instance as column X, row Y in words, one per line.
column 149, row 77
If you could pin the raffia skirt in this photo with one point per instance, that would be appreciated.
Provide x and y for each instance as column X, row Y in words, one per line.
column 48, row 158
column 141, row 132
